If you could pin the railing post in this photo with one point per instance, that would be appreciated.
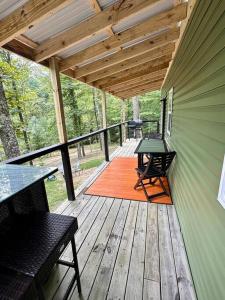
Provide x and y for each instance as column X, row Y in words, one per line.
column 106, row 146
column 121, row 135
column 157, row 126
column 67, row 172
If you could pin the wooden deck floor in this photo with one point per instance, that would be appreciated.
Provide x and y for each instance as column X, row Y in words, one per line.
column 126, row 249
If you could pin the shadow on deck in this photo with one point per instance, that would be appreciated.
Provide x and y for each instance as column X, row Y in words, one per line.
column 126, row 249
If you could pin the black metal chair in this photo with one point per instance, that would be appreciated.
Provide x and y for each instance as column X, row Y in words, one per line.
column 153, row 170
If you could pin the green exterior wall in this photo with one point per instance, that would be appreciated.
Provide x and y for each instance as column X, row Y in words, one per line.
column 198, row 136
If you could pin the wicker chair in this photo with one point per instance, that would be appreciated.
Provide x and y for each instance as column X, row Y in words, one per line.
column 31, row 244
column 153, row 170
column 15, row 286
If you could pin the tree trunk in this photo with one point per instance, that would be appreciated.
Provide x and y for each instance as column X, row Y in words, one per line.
column 79, row 154
column 97, row 117
column 83, row 151
column 136, row 108
column 25, row 135
column 7, row 133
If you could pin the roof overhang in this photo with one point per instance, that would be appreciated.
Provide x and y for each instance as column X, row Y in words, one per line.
column 122, row 47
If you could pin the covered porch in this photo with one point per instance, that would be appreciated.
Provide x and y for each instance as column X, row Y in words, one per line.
column 130, row 249
column 126, row 249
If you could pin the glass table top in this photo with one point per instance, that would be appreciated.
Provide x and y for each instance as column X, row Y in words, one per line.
column 15, row 178
column 150, row 146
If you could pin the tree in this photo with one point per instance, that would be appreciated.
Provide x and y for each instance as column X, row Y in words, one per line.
column 7, row 133
column 136, row 108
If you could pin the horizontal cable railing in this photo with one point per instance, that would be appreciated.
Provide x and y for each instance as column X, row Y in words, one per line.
column 64, row 149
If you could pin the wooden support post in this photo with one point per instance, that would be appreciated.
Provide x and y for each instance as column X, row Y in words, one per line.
column 57, row 92
column 61, row 126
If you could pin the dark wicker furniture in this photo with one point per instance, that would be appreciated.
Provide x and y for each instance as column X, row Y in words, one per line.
column 30, row 246
column 153, row 170
column 15, row 286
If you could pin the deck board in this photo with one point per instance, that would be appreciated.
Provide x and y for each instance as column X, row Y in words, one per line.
column 126, row 249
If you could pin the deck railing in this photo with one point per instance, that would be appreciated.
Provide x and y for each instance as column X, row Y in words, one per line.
column 64, row 149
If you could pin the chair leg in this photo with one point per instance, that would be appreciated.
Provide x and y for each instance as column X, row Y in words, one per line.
column 163, row 186
column 76, row 267
column 137, row 183
column 144, row 189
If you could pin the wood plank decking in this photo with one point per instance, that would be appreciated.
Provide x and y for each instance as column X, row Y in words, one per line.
column 126, row 249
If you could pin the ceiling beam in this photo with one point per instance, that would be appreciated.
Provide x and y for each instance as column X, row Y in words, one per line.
column 103, row 19
column 123, row 76
column 96, row 6
column 26, row 16
column 142, row 86
column 140, row 90
column 150, row 76
column 138, row 93
column 125, row 54
column 162, row 20
column 133, row 70
column 138, row 83
column 130, row 63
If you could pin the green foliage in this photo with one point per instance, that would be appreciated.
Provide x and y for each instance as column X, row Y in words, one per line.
column 56, row 192
column 29, row 94
column 91, row 164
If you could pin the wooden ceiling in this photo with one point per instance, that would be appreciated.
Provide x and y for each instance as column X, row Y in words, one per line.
column 126, row 63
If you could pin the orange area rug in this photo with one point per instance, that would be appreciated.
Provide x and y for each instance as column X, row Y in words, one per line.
column 118, row 180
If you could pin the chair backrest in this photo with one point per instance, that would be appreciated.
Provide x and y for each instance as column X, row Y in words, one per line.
column 161, row 161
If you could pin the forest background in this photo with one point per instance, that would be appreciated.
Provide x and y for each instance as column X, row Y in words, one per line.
column 27, row 114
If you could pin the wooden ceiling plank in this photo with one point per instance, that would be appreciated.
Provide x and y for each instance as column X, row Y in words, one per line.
column 109, row 16
column 162, row 20
column 26, row 16
column 128, row 53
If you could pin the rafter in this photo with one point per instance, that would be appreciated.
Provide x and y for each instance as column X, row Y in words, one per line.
column 150, row 76
column 142, row 85
column 130, row 63
column 162, row 20
column 138, row 83
column 140, row 90
column 96, row 6
column 99, row 70
column 123, row 76
column 111, row 15
column 26, row 16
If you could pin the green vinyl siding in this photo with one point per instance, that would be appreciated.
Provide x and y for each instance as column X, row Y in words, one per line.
column 198, row 135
